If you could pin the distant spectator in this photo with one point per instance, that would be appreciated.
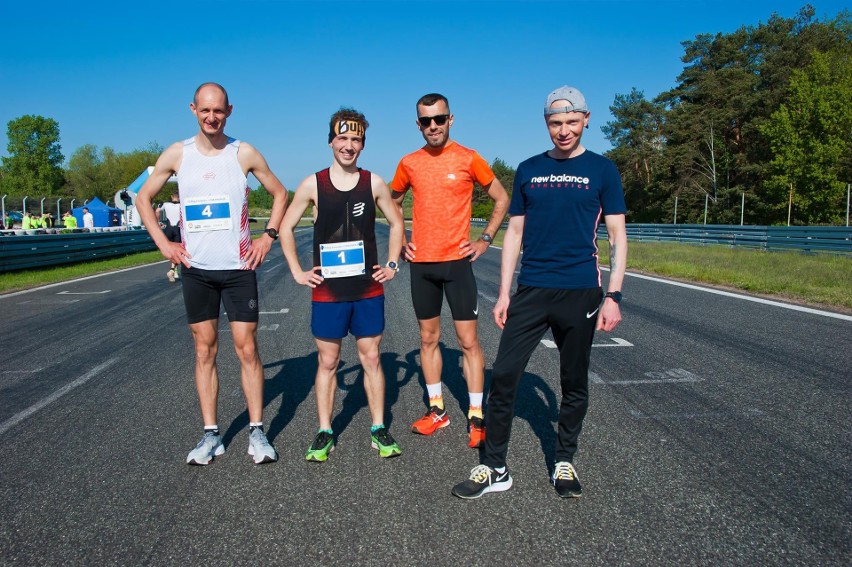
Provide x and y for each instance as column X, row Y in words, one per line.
column 27, row 222
column 88, row 219
column 47, row 220
column 69, row 220
column 171, row 217
column 114, row 220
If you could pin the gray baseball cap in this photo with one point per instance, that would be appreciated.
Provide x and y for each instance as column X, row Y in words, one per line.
column 576, row 101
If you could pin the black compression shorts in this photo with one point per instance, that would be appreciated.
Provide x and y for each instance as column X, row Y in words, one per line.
column 430, row 281
column 204, row 290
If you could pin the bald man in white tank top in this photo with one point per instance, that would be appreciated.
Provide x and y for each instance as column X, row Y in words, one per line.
column 219, row 257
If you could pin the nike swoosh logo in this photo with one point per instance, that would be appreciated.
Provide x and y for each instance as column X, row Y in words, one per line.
column 502, row 477
column 592, row 314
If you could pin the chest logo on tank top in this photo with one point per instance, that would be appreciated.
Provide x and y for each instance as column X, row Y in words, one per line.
column 358, row 209
column 209, row 176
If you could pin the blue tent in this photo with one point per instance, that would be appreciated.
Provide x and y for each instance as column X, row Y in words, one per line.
column 103, row 215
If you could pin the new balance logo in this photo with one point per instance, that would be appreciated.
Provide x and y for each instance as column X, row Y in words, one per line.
column 358, row 209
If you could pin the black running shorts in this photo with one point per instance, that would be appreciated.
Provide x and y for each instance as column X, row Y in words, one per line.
column 204, row 290
column 430, row 281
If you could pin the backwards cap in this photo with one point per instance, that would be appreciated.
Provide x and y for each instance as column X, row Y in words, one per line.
column 576, row 101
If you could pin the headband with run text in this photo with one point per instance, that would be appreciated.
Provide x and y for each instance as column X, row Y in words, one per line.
column 347, row 127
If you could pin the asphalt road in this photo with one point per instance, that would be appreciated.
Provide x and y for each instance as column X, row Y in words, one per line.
column 718, row 433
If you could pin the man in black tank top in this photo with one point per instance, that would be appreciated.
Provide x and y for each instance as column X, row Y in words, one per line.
column 347, row 279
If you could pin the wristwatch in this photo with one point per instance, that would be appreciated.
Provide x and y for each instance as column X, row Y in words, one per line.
column 614, row 295
column 393, row 266
column 273, row 234
column 486, row 238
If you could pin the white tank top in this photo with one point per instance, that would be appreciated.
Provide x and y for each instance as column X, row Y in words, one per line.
column 214, row 207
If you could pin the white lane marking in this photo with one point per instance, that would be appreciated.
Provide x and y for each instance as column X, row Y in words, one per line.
column 23, row 371
column 618, row 342
column 594, row 378
column 21, row 416
column 750, row 412
column 49, row 301
column 285, row 310
column 487, row 297
column 671, row 376
column 65, row 283
column 744, row 297
column 83, row 292
column 273, row 327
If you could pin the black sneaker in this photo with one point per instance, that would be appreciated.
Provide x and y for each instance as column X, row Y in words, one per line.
column 483, row 479
column 565, row 480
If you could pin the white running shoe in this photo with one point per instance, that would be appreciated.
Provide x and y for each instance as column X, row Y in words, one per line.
column 171, row 275
column 260, row 449
column 210, row 446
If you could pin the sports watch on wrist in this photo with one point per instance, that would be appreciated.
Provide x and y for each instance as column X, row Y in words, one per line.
column 486, row 238
column 614, row 295
column 393, row 266
column 273, row 234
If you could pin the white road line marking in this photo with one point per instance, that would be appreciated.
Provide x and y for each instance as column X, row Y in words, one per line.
column 65, row 283
column 744, row 297
column 274, row 312
column 83, row 292
column 487, row 297
column 594, row 378
column 49, row 301
column 618, row 342
column 23, row 371
column 21, row 416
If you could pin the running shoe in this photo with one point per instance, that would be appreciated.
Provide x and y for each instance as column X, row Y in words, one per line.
column 210, row 446
column 381, row 439
column 323, row 445
column 433, row 420
column 171, row 275
column 177, row 272
column 259, row 447
column 476, row 428
column 565, row 480
column 483, row 479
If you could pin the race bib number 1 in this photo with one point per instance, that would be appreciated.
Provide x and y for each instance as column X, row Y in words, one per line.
column 342, row 259
column 207, row 213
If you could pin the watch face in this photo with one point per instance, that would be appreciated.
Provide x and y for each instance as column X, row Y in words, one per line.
column 392, row 265
column 486, row 237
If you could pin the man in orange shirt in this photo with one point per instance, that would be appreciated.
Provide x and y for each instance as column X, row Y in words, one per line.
column 441, row 177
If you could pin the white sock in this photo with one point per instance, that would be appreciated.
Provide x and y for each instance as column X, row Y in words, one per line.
column 435, row 390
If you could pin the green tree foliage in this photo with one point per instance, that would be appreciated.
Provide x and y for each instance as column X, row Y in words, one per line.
column 93, row 173
column 811, row 139
column 34, row 164
column 482, row 203
column 709, row 136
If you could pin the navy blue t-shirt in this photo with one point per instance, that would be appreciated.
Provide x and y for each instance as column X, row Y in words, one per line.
column 563, row 201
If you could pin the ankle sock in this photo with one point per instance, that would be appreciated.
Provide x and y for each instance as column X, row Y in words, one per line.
column 436, row 395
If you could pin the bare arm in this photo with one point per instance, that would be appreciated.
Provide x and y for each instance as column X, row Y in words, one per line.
column 306, row 193
column 610, row 314
column 253, row 162
column 497, row 193
column 408, row 247
column 167, row 164
column 393, row 214
column 509, row 260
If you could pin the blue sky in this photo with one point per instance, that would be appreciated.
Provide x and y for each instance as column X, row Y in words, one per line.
column 122, row 74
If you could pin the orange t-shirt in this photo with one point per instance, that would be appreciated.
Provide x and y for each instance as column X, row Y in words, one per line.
column 441, row 182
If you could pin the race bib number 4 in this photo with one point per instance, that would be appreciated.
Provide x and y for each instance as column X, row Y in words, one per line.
column 342, row 259
column 207, row 213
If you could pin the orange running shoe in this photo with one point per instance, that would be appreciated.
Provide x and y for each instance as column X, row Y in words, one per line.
column 477, row 432
column 433, row 420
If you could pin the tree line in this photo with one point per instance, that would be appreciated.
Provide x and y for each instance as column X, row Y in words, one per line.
column 762, row 114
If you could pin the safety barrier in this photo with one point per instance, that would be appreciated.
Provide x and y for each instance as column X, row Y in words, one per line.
column 21, row 252
column 833, row 239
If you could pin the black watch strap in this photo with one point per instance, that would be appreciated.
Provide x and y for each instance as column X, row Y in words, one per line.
column 272, row 233
column 614, row 295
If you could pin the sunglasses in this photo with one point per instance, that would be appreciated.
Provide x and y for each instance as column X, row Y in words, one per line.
column 426, row 121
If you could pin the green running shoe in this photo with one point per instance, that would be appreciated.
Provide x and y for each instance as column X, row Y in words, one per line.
column 382, row 440
column 323, row 445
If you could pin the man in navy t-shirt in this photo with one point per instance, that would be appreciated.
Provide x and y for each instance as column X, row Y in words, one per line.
column 559, row 198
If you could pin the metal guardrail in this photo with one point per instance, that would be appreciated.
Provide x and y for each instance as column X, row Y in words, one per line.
column 833, row 239
column 22, row 252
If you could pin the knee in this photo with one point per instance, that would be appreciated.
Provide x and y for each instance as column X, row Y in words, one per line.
column 429, row 339
column 328, row 363
column 247, row 351
column 370, row 359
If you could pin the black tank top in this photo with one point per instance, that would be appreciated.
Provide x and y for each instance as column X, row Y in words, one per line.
column 345, row 216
